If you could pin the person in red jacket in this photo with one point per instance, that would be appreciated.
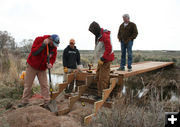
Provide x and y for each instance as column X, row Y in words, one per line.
column 104, row 52
column 37, row 65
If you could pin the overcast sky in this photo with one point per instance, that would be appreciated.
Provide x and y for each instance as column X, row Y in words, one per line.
column 158, row 21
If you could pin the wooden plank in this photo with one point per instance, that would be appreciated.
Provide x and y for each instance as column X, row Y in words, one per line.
column 70, row 77
column 91, row 101
column 147, row 67
column 89, row 80
column 82, row 89
column 62, row 86
column 64, row 111
column 105, row 95
column 88, row 119
column 72, row 101
column 98, row 105
column 54, row 95
column 120, row 80
column 82, row 76
column 142, row 68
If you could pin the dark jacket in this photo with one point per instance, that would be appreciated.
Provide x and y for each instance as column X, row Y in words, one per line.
column 71, row 57
column 128, row 33
column 38, row 55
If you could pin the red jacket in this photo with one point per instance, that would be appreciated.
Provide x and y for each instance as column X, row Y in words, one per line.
column 38, row 55
column 108, row 55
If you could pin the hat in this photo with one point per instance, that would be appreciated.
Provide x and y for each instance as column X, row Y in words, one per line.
column 95, row 28
column 55, row 39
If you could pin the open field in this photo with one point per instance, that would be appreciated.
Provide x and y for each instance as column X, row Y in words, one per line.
column 129, row 110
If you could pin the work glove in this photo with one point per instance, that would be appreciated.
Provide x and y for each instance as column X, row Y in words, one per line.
column 100, row 62
column 65, row 69
column 79, row 67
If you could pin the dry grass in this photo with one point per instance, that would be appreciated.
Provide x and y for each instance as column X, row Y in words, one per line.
column 129, row 113
column 147, row 111
column 10, row 88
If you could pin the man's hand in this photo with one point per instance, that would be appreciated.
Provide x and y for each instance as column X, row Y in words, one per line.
column 100, row 62
column 49, row 66
column 46, row 41
column 127, row 40
column 65, row 69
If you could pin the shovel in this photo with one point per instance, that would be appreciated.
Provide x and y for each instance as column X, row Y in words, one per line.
column 52, row 104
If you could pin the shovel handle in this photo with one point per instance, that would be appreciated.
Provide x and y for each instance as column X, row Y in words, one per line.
column 51, row 90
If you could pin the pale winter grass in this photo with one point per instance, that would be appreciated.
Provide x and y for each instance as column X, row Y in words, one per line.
column 10, row 88
column 148, row 111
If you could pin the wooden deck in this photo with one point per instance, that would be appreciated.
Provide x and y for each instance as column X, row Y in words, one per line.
column 141, row 68
column 137, row 68
column 117, row 78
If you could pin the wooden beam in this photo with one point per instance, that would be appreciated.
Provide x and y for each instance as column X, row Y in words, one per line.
column 54, row 95
column 70, row 77
column 62, row 86
column 64, row 111
column 88, row 119
column 154, row 66
column 98, row 104
column 82, row 76
column 91, row 101
column 74, row 99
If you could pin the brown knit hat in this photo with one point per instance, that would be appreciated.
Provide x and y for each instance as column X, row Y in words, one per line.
column 95, row 28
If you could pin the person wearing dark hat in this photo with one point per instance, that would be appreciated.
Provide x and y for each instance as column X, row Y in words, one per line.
column 37, row 64
column 105, row 55
column 126, row 35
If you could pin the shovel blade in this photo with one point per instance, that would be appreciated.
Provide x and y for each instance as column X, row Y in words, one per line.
column 53, row 106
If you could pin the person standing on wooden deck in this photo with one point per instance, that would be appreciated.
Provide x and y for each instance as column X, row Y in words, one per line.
column 126, row 35
column 37, row 64
column 71, row 62
column 103, row 47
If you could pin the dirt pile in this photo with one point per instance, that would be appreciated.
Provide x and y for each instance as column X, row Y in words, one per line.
column 32, row 116
column 36, row 116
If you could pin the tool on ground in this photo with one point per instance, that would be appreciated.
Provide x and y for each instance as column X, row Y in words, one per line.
column 52, row 104
column 90, row 68
column 82, row 103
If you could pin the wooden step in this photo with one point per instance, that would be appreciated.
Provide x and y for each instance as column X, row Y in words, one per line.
column 91, row 101
column 74, row 99
column 62, row 86
column 98, row 104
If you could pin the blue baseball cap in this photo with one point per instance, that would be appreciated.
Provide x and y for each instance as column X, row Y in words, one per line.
column 55, row 39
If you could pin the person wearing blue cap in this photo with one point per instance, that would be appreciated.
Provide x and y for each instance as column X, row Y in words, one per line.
column 37, row 64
